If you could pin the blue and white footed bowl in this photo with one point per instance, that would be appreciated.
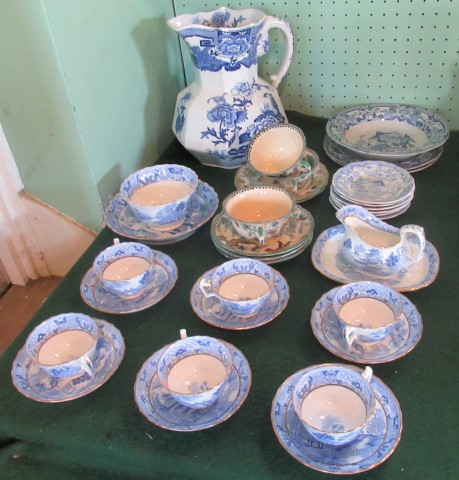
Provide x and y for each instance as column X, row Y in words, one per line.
column 333, row 432
column 161, row 217
column 249, row 197
column 57, row 324
column 376, row 291
column 243, row 307
column 200, row 395
column 130, row 287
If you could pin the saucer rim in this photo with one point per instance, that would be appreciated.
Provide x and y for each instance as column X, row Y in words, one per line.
column 90, row 279
column 276, row 312
column 119, row 352
column 322, row 339
column 403, row 288
column 290, row 382
column 234, row 408
column 172, row 238
column 305, row 239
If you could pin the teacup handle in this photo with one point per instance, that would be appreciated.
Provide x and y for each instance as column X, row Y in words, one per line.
column 414, row 254
column 284, row 27
column 349, row 334
column 204, row 286
column 367, row 373
column 87, row 366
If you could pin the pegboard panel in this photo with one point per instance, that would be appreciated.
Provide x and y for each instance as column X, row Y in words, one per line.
column 349, row 52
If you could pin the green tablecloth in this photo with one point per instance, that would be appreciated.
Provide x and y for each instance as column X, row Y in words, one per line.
column 103, row 435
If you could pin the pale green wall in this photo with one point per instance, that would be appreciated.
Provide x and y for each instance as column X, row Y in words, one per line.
column 87, row 92
column 88, row 87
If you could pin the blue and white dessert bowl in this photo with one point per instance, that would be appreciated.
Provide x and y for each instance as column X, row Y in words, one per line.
column 64, row 345
column 195, row 370
column 259, row 213
column 243, row 286
column 334, row 402
column 367, row 311
column 160, row 194
column 125, row 269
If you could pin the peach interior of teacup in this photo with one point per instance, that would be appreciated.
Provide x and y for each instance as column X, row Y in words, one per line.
column 333, row 408
column 125, row 268
column 259, row 205
column 65, row 347
column 160, row 193
column 276, row 150
column 365, row 312
column 196, row 374
column 243, row 286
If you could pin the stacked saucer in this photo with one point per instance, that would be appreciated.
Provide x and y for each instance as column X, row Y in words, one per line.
column 383, row 188
column 405, row 135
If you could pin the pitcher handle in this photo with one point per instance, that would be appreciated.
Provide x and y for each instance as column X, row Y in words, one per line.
column 416, row 254
column 284, row 27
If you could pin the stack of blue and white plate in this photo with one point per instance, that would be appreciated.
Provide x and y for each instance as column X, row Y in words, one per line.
column 407, row 136
column 383, row 188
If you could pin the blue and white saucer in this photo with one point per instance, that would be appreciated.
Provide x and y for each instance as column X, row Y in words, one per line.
column 343, row 156
column 159, row 407
column 372, row 447
column 211, row 310
column 401, row 341
column 163, row 281
column 120, row 218
column 328, row 259
column 35, row 383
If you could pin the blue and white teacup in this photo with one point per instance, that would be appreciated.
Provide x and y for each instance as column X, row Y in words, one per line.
column 367, row 311
column 160, row 195
column 195, row 370
column 125, row 269
column 64, row 345
column 334, row 402
column 259, row 213
column 242, row 286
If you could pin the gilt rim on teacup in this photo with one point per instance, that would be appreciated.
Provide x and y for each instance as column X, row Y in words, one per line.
column 292, row 166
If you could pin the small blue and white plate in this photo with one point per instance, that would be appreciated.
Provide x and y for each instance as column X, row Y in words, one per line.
column 401, row 341
column 35, row 383
column 385, row 131
column 120, row 218
column 158, row 406
column 343, row 156
column 163, row 281
column 373, row 446
column 328, row 259
column 212, row 311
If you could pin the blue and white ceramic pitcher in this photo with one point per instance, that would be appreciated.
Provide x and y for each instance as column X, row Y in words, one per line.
column 228, row 104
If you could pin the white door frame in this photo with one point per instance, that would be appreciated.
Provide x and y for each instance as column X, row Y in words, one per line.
column 19, row 251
